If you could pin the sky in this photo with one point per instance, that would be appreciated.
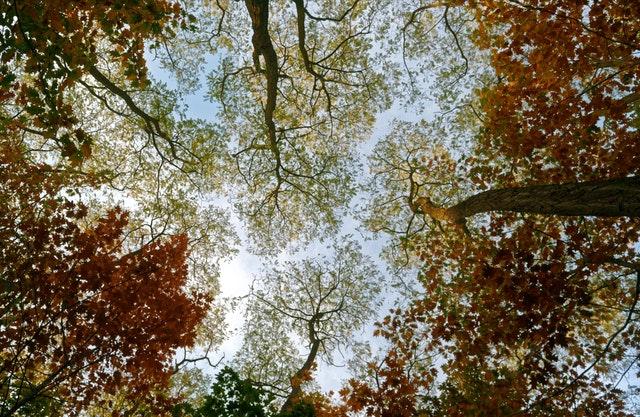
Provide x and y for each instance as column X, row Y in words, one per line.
column 236, row 274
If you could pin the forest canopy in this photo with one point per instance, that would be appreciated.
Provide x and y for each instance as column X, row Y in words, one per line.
column 443, row 197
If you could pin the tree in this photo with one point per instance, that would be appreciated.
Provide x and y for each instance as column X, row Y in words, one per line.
column 293, row 148
column 232, row 396
column 314, row 87
column 605, row 198
column 187, row 385
column 162, row 198
column 519, row 201
column 318, row 302
column 391, row 386
column 80, row 314
column 49, row 46
column 77, row 90
column 531, row 302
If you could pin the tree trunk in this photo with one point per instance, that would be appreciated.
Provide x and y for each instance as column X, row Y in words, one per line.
column 607, row 198
column 298, row 378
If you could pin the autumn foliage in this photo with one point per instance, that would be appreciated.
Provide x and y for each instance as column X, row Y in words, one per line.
column 564, row 109
column 527, row 314
column 48, row 46
column 81, row 314
column 528, row 308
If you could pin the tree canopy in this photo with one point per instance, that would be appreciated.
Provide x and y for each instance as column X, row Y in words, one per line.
column 81, row 315
column 502, row 145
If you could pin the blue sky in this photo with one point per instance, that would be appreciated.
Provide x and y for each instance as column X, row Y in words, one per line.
column 238, row 273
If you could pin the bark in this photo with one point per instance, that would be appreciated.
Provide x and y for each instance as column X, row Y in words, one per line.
column 263, row 46
column 298, row 377
column 607, row 198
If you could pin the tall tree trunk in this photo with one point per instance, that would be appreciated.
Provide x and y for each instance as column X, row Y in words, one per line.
column 607, row 198
column 298, row 378
column 263, row 46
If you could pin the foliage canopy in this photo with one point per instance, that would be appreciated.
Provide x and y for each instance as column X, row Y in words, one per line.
column 507, row 192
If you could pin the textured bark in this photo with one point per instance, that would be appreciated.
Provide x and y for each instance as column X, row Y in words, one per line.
column 607, row 198
column 298, row 377
column 263, row 46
